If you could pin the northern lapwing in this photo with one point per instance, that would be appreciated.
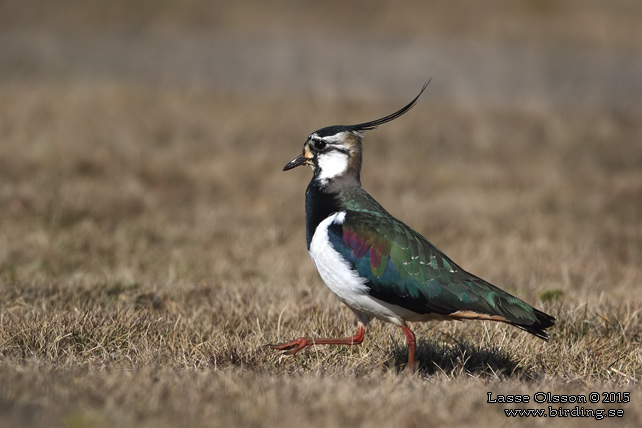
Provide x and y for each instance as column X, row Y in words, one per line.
column 377, row 265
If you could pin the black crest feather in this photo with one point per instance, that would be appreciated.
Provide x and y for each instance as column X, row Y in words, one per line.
column 366, row 126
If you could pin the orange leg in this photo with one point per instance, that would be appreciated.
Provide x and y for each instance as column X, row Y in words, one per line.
column 410, row 339
column 296, row 345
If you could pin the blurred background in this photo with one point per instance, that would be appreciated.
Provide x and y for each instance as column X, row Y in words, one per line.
column 143, row 141
column 527, row 54
column 145, row 222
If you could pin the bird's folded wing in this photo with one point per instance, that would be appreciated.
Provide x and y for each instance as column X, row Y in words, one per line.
column 403, row 268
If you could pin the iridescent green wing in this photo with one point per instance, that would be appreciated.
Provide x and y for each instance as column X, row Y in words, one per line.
column 403, row 268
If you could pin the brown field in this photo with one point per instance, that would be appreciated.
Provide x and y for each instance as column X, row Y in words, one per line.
column 150, row 245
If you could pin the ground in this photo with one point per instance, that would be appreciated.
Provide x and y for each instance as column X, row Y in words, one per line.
column 150, row 246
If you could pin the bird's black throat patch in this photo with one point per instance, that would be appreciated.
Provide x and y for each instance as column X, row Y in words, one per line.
column 319, row 205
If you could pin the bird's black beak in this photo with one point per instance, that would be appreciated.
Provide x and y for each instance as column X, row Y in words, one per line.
column 297, row 161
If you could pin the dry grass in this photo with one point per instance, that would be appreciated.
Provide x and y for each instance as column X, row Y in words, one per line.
column 150, row 246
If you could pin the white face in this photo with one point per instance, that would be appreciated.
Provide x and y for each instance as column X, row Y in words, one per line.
column 331, row 159
column 331, row 164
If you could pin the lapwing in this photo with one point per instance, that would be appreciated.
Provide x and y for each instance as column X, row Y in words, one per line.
column 377, row 265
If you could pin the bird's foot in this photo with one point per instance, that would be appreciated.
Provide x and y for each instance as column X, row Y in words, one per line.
column 293, row 346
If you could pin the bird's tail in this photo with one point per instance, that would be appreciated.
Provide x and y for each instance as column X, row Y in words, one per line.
column 542, row 322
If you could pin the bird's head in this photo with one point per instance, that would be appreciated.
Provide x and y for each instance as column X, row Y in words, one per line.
column 335, row 151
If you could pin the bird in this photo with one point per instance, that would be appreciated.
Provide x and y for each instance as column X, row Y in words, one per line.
column 377, row 265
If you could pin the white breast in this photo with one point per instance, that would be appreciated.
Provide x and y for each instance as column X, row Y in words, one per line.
column 345, row 282
column 335, row 272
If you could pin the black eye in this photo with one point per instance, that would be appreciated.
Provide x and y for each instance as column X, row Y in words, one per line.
column 320, row 144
